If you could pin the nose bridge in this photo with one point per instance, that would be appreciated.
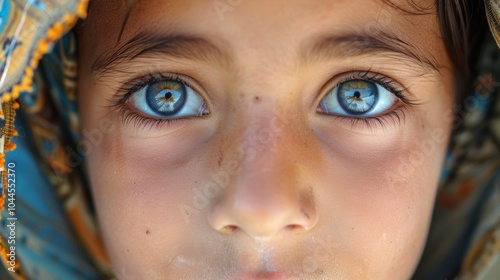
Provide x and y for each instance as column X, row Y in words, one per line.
column 265, row 197
column 261, row 139
column 265, row 158
column 269, row 176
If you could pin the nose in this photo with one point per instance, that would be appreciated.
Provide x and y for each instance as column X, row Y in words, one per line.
column 265, row 198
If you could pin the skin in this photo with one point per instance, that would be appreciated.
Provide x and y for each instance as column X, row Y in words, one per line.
column 304, row 195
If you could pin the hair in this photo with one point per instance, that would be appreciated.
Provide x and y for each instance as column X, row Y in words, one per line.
column 462, row 24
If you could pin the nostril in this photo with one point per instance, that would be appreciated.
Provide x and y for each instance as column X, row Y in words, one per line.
column 262, row 215
column 292, row 227
column 229, row 229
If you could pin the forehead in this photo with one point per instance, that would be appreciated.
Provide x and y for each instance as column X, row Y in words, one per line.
column 260, row 18
column 275, row 28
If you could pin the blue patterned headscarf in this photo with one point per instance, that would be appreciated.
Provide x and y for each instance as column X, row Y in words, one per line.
column 48, row 228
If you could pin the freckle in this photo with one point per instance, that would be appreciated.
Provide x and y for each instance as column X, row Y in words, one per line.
column 221, row 157
column 256, row 99
column 148, row 232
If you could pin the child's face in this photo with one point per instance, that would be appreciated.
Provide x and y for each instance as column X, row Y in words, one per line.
column 266, row 172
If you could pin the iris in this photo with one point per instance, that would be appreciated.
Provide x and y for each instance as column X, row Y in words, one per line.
column 166, row 97
column 357, row 97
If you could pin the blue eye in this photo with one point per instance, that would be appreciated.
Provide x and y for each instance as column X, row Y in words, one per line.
column 167, row 99
column 358, row 98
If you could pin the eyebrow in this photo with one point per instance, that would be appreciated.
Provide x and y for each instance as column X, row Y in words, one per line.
column 185, row 46
column 357, row 44
column 150, row 43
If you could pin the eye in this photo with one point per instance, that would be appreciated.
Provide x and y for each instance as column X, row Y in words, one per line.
column 168, row 99
column 358, row 98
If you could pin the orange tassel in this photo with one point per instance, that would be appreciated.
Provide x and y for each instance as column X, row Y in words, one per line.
column 10, row 146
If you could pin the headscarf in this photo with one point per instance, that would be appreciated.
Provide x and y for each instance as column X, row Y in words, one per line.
column 55, row 232
column 51, row 218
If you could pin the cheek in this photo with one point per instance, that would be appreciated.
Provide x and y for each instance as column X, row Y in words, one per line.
column 381, row 185
column 139, row 187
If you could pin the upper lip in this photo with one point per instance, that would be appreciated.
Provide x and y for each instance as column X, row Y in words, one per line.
column 261, row 275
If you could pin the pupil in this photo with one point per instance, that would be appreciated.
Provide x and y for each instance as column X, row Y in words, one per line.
column 357, row 94
column 168, row 95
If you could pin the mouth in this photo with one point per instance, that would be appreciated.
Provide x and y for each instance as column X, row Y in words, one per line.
column 249, row 262
column 262, row 276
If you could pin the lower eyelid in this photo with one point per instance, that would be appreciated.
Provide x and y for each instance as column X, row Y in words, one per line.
column 140, row 123
column 395, row 118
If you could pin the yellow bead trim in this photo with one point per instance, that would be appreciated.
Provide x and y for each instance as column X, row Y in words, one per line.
column 53, row 34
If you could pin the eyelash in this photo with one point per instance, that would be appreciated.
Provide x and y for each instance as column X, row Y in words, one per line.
column 394, row 117
column 130, row 87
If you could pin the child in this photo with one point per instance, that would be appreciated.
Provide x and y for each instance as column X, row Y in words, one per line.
column 270, row 139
